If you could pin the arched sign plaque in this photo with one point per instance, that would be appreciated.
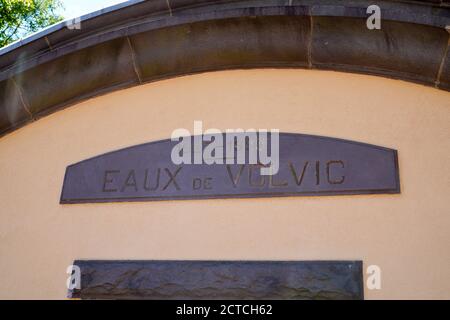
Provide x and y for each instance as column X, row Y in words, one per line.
column 308, row 166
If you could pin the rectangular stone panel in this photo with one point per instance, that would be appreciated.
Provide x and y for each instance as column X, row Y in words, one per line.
column 219, row 280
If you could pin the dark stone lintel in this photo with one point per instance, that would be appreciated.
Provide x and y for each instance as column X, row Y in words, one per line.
column 220, row 280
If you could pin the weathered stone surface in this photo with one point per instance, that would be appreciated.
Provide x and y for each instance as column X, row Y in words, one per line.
column 399, row 50
column 223, row 44
column 81, row 74
column 220, row 280
column 444, row 76
column 12, row 111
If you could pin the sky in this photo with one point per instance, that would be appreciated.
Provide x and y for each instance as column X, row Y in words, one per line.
column 76, row 8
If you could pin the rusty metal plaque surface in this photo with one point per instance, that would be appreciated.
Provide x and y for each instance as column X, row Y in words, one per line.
column 308, row 166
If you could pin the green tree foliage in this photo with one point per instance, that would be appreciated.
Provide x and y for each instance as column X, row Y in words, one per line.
column 19, row 18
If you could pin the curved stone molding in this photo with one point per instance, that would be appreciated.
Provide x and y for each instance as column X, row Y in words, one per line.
column 144, row 41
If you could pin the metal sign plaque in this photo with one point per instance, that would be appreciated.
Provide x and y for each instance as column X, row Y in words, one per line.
column 308, row 166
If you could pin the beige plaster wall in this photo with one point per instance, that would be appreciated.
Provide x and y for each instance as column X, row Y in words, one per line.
column 407, row 235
